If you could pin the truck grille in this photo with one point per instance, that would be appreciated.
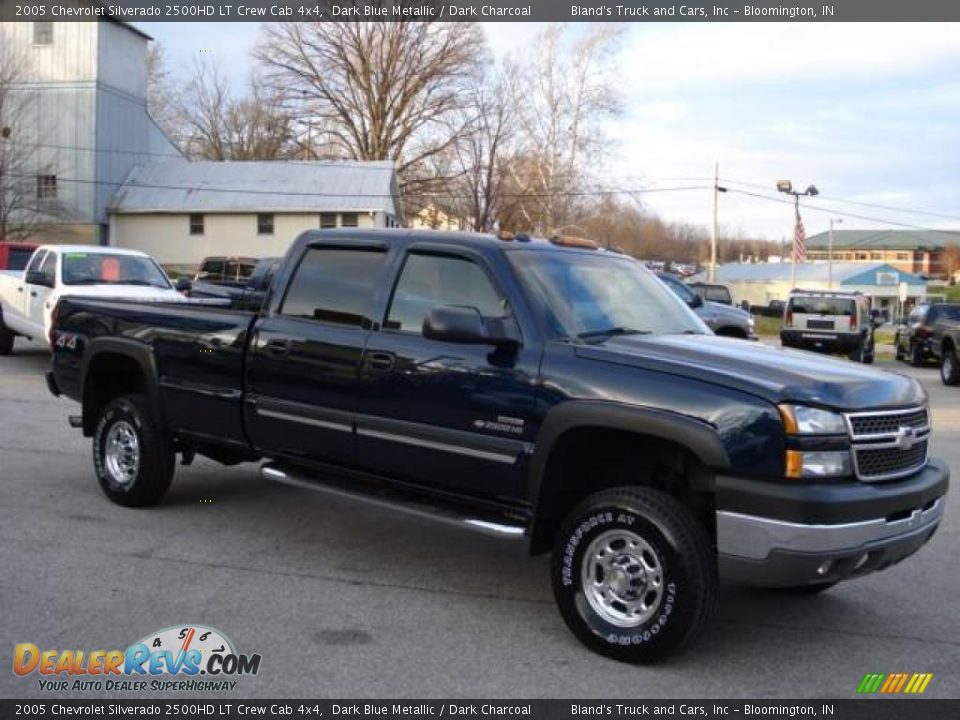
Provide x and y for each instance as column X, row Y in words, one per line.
column 890, row 462
column 889, row 445
column 887, row 423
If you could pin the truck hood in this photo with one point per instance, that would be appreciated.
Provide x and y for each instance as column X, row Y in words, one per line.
column 775, row 374
column 726, row 311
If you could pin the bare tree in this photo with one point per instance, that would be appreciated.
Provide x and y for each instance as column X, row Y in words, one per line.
column 561, row 95
column 212, row 124
column 22, row 213
column 163, row 95
column 379, row 90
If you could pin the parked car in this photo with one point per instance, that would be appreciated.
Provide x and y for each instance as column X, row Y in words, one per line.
column 248, row 296
column 829, row 321
column 226, row 270
column 713, row 292
column 916, row 338
column 546, row 389
column 28, row 298
column 722, row 319
column 15, row 255
column 945, row 343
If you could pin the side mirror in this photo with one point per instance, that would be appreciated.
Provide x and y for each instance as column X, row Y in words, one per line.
column 465, row 325
column 696, row 301
column 183, row 284
column 36, row 277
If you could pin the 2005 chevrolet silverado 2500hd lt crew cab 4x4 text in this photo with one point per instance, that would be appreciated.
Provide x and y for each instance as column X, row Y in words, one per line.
column 546, row 389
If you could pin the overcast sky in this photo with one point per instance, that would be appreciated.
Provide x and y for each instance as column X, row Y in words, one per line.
column 867, row 112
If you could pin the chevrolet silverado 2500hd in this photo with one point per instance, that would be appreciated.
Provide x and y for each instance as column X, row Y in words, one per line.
column 543, row 389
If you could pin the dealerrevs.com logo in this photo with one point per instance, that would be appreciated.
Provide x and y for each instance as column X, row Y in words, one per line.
column 185, row 658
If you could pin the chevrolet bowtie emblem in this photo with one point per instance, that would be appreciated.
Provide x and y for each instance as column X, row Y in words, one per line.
column 906, row 437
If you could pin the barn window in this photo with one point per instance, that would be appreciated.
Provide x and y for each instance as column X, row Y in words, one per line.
column 46, row 187
column 43, row 33
column 349, row 220
column 265, row 224
column 196, row 224
column 328, row 220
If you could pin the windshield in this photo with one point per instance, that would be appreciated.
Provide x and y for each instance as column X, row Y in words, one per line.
column 591, row 297
column 681, row 290
column 80, row 268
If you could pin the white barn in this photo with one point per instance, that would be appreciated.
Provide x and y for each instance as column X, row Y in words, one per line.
column 181, row 211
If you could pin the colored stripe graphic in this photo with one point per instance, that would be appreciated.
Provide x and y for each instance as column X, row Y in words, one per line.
column 894, row 683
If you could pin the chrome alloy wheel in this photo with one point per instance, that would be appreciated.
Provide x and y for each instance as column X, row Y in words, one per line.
column 946, row 367
column 622, row 578
column 122, row 453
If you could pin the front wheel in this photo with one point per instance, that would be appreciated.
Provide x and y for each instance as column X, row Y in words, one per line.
column 634, row 574
column 133, row 459
column 949, row 369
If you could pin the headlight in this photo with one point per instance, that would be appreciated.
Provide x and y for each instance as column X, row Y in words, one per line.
column 818, row 464
column 801, row 420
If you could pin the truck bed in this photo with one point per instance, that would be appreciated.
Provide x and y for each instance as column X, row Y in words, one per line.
column 197, row 351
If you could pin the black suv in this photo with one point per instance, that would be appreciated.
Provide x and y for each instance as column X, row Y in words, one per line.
column 917, row 335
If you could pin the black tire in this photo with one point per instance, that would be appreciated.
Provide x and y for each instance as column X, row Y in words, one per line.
column 128, row 421
column 673, row 550
column 857, row 355
column 949, row 369
column 916, row 355
column 6, row 339
column 808, row 589
column 899, row 354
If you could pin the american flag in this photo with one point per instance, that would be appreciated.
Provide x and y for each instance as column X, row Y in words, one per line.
column 800, row 242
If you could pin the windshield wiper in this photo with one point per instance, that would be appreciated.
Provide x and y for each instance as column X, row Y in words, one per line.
column 611, row 332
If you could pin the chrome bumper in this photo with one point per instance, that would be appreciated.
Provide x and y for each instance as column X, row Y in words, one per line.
column 767, row 552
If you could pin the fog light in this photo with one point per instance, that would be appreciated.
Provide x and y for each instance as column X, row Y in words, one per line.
column 825, row 568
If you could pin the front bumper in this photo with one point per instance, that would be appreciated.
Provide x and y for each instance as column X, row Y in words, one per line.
column 820, row 533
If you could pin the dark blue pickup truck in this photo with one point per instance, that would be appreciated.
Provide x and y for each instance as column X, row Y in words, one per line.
column 544, row 389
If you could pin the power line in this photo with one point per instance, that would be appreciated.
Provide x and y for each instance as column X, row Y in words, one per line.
column 845, row 213
column 379, row 196
column 877, row 206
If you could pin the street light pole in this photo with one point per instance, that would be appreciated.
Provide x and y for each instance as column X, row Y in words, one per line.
column 785, row 186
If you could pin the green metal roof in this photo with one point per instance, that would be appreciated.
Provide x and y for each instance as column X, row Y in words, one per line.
column 885, row 239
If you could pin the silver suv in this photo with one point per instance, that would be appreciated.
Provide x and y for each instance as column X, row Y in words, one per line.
column 829, row 321
column 722, row 319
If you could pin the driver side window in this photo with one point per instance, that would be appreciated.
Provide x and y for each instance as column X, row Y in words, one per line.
column 430, row 281
column 49, row 267
column 36, row 261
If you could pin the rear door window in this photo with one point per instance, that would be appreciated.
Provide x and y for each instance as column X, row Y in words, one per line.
column 334, row 285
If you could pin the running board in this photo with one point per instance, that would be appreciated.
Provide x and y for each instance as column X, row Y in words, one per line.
column 397, row 500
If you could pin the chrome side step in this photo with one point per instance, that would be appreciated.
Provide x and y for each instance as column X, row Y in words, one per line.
column 397, row 501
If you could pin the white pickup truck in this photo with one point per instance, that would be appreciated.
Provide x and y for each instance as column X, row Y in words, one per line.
column 28, row 297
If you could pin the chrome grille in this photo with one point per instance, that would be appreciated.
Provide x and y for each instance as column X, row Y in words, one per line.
column 890, row 444
column 887, row 423
column 890, row 461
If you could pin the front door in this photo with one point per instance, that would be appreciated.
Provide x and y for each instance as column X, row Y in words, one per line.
column 38, row 296
column 454, row 416
column 304, row 360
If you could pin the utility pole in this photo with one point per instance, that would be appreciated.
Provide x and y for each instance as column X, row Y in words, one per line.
column 712, row 274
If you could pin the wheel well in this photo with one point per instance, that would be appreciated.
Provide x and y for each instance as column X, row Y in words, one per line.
column 730, row 331
column 585, row 460
column 108, row 376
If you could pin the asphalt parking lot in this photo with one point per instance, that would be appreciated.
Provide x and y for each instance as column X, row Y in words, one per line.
column 342, row 600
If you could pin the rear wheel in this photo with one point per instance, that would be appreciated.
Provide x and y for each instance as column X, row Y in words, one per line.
column 899, row 354
column 949, row 369
column 6, row 339
column 133, row 458
column 634, row 574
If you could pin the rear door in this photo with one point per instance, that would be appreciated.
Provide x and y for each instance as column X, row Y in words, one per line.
column 304, row 358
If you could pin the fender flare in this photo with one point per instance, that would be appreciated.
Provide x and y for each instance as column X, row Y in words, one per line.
column 697, row 436
column 139, row 353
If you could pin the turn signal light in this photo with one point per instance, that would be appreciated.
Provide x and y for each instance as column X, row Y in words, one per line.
column 794, row 464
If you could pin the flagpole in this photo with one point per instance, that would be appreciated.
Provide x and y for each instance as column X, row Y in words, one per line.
column 796, row 226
